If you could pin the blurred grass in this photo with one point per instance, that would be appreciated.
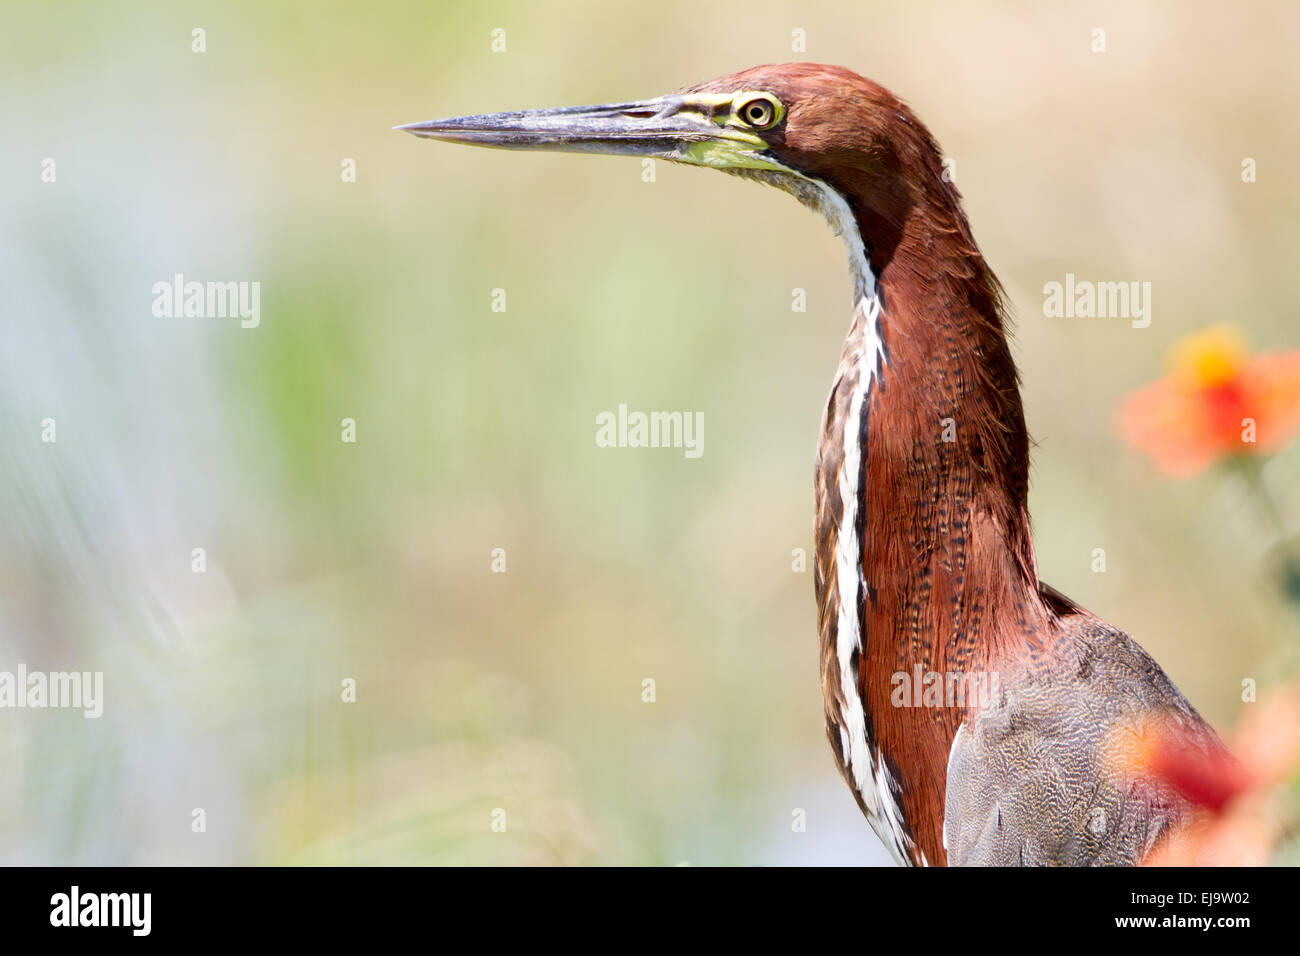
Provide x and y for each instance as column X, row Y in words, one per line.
column 371, row 561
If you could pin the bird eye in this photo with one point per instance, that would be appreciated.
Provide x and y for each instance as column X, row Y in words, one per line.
column 759, row 112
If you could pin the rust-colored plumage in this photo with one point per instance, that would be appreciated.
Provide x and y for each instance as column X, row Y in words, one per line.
column 925, row 560
column 950, row 584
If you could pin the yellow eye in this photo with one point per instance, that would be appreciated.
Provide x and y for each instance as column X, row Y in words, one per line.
column 760, row 112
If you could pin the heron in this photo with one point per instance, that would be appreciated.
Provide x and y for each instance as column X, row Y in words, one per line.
column 924, row 557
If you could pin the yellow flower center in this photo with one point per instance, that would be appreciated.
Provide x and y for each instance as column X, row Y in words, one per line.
column 1210, row 358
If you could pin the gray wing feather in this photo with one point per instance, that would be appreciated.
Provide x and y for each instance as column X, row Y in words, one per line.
column 1028, row 783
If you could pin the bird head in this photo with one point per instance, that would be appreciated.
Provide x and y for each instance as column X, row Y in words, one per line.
column 834, row 139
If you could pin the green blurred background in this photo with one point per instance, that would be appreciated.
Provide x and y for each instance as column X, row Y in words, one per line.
column 371, row 561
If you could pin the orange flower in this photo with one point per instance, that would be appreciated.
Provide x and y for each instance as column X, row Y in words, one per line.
column 1216, row 401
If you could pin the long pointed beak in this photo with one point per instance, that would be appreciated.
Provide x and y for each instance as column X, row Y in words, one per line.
column 678, row 128
column 657, row 127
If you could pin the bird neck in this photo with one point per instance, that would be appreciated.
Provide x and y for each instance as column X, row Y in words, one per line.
column 925, row 559
column 947, row 550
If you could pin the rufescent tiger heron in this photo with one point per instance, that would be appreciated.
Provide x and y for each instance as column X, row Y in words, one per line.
column 924, row 559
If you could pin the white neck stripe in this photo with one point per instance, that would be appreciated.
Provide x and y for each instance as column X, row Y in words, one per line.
column 864, row 355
